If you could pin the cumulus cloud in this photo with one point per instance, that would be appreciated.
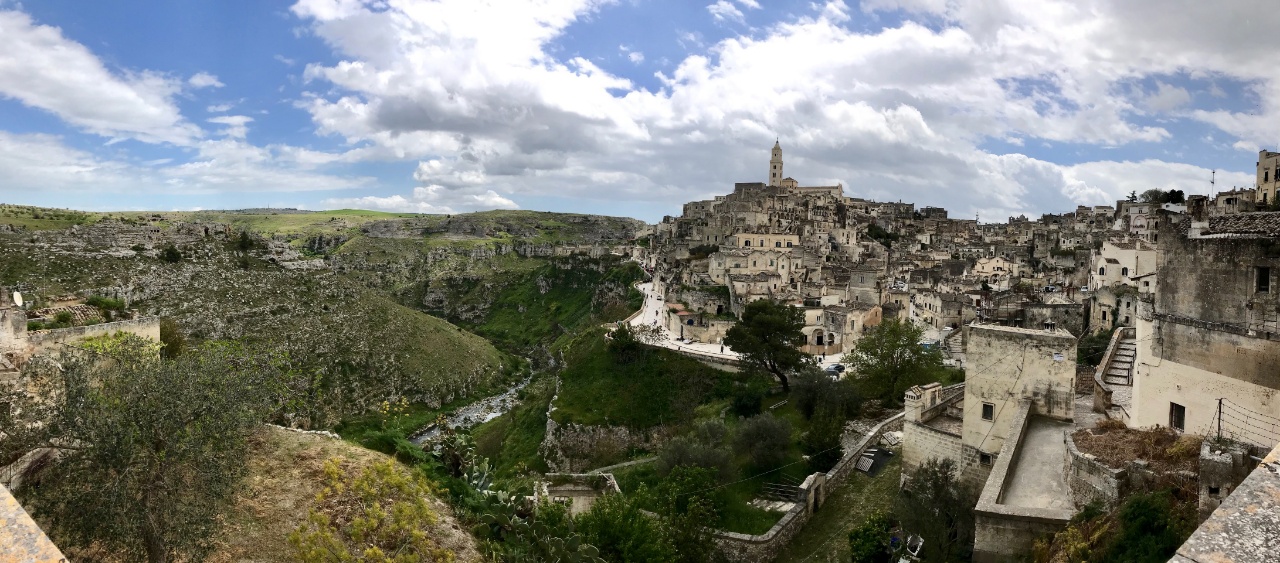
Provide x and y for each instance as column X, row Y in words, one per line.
column 897, row 113
column 427, row 199
column 41, row 68
column 204, row 80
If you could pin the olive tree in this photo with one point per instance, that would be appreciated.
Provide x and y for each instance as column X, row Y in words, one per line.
column 147, row 451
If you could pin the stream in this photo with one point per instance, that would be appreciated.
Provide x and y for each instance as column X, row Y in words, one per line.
column 474, row 414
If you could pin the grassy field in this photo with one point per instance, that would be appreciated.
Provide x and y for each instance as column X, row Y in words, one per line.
column 825, row 537
column 655, row 389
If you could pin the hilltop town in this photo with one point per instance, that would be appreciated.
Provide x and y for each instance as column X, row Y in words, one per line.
column 1176, row 292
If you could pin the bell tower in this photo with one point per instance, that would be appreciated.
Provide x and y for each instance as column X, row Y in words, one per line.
column 775, row 165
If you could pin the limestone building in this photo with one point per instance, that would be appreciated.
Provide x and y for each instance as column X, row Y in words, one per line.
column 1211, row 332
column 1268, row 177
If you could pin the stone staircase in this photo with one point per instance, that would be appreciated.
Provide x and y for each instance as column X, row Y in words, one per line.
column 1120, row 370
column 955, row 344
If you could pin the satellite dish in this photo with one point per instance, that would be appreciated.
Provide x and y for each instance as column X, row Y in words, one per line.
column 17, row 298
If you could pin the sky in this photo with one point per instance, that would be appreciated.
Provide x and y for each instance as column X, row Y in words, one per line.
column 990, row 108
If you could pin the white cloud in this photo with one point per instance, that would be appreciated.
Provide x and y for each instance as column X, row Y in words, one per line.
column 236, row 125
column 899, row 113
column 204, row 80
column 286, row 60
column 43, row 163
column 219, row 108
column 724, row 10
column 426, row 199
column 43, row 69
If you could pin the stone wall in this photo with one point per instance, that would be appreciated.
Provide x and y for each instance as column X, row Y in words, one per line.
column 743, row 548
column 921, row 442
column 49, row 341
column 1101, row 391
column 1090, row 480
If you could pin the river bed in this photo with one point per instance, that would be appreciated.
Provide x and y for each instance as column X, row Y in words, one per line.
column 474, row 414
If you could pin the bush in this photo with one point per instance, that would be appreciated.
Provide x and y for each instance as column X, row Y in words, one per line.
column 1151, row 527
column 816, row 390
column 171, row 338
column 63, row 317
column 765, row 440
column 746, row 398
column 623, row 532
column 687, row 452
column 869, row 542
column 171, row 254
column 822, row 441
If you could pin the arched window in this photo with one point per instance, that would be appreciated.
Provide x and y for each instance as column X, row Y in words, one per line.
column 1124, row 272
column 777, row 244
column 746, row 243
column 788, row 245
column 1101, row 271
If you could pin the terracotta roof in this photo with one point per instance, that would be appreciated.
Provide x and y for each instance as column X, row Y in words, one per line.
column 1266, row 224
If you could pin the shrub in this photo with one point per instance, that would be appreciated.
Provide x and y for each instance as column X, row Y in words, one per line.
column 63, row 317
column 822, row 441
column 816, row 390
column 746, row 398
column 869, row 542
column 382, row 514
column 171, row 254
column 171, row 338
column 686, row 452
column 765, row 440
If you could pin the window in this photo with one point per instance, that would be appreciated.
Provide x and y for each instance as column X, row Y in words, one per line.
column 746, row 243
column 762, row 242
column 1177, row 417
column 984, row 459
column 1104, row 315
column 1101, row 271
column 1126, row 319
column 788, row 245
column 1124, row 272
column 1146, row 284
column 1264, row 280
column 988, row 411
column 753, row 263
column 777, row 244
column 1215, row 491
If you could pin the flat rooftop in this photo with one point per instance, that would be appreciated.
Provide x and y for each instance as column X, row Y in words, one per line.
column 1037, row 479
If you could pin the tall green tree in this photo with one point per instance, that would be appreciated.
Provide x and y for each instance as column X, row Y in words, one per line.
column 768, row 337
column 889, row 359
column 149, row 451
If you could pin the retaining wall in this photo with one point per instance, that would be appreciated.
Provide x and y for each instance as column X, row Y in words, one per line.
column 744, row 548
column 1090, row 480
column 44, row 341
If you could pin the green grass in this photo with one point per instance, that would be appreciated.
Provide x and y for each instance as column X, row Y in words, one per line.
column 825, row 536
column 557, row 299
column 734, row 513
column 511, row 441
column 43, row 218
column 658, row 388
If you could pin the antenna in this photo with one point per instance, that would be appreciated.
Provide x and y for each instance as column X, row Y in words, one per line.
column 1213, row 181
column 17, row 298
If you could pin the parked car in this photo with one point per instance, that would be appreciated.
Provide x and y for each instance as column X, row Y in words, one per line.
column 835, row 368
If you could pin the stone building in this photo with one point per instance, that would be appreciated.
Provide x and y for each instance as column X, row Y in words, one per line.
column 1212, row 331
column 1268, row 170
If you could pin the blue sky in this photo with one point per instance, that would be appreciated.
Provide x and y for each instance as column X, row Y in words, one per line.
column 626, row 107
